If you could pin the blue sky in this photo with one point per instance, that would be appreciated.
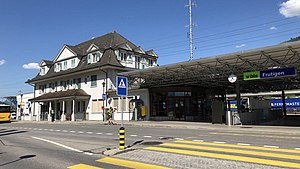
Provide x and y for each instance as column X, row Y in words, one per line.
column 33, row 30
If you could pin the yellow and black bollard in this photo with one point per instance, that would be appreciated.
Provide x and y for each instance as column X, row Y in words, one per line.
column 122, row 138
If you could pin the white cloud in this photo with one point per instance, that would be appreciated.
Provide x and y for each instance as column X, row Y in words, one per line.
column 31, row 66
column 273, row 28
column 2, row 62
column 290, row 8
column 241, row 45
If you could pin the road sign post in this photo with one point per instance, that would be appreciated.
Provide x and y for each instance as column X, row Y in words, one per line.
column 122, row 90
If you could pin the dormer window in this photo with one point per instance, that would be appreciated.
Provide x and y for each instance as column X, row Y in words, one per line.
column 57, row 67
column 73, row 63
column 94, row 57
column 43, row 71
column 65, row 65
column 122, row 56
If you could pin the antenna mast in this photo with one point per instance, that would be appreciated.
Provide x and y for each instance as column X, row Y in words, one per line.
column 191, row 4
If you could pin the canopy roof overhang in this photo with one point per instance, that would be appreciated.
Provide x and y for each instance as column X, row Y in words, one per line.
column 213, row 72
column 62, row 95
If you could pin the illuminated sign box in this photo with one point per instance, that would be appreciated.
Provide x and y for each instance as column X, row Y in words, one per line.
column 272, row 73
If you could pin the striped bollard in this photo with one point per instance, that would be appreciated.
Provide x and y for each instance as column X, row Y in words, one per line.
column 122, row 138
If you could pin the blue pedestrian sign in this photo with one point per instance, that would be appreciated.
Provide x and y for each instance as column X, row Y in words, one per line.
column 122, row 86
column 103, row 96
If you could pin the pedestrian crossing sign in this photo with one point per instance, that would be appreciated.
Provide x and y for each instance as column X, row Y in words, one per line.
column 122, row 86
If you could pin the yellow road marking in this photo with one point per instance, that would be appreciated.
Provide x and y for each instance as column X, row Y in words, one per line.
column 129, row 164
column 227, row 157
column 240, row 146
column 255, row 132
column 227, row 150
column 83, row 166
column 253, row 135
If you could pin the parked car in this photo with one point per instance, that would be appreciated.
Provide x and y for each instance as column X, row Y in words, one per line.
column 13, row 115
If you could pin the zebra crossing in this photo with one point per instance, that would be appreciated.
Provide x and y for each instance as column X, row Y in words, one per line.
column 263, row 156
column 118, row 162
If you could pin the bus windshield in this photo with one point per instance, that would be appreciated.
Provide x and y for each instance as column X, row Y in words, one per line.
column 4, row 109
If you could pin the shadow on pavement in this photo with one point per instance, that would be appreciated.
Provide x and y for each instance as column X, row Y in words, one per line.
column 289, row 121
column 10, row 132
column 20, row 158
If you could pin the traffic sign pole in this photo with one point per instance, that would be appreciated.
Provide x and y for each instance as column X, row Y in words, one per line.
column 122, row 123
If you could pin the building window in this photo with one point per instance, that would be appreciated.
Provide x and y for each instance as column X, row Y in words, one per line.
column 73, row 63
column 40, row 89
column 79, row 83
column 42, row 70
column 89, row 58
column 61, row 85
column 58, row 67
column 65, row 65
column 68, row 83
column 50, row 87
column 55, row 86
column 98, row 56
column 122, row 56
column 137, row 62
column 96, row 105
column 93, row 80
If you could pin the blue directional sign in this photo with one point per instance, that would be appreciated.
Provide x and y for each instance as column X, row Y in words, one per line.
column 273, row 73
column 122, row 86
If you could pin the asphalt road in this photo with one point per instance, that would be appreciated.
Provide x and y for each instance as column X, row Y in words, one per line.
column 36, row 145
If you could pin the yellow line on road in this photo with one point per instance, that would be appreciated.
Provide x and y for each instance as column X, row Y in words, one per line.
column 83, row 166
column 129, row 164
column 227, row 157
column 227, row 150
column 254, row 135
column 239, row 146
column 256, row 132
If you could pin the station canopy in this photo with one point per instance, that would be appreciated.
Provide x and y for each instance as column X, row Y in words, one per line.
column 213, row 72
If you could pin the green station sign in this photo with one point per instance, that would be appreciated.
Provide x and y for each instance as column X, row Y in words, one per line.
column 252, row 75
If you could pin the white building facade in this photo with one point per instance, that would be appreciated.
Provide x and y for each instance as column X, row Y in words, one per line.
column 79, row 83
column 25, row 107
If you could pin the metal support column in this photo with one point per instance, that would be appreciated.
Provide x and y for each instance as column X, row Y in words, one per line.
column 283, row 104
column 73, row 110
column 238, row 97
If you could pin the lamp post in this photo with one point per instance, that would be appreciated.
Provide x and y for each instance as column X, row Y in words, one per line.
column 103, row 99
column 21, row 105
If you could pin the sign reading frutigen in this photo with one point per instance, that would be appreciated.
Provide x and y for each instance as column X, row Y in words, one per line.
column 273, row 73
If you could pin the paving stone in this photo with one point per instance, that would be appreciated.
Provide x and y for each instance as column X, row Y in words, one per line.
column 187, row 162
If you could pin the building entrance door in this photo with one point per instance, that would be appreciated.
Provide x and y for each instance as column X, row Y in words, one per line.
column 177, row 107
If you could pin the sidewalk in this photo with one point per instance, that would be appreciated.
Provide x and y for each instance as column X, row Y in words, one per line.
column 186, row 125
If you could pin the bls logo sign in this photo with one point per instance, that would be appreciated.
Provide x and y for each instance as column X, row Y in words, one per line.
column 251, row 75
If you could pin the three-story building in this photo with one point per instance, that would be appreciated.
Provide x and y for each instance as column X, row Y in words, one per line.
column 76, row 83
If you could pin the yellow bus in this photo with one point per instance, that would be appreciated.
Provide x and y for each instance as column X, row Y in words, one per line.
column 4, row 113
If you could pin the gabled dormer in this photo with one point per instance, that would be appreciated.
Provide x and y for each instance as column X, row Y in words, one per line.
column 44, row 67
column 151, row 53
column 139, row 50
column 67, row 58
column 125, row 46
column 93, row 47
column 65, row 53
